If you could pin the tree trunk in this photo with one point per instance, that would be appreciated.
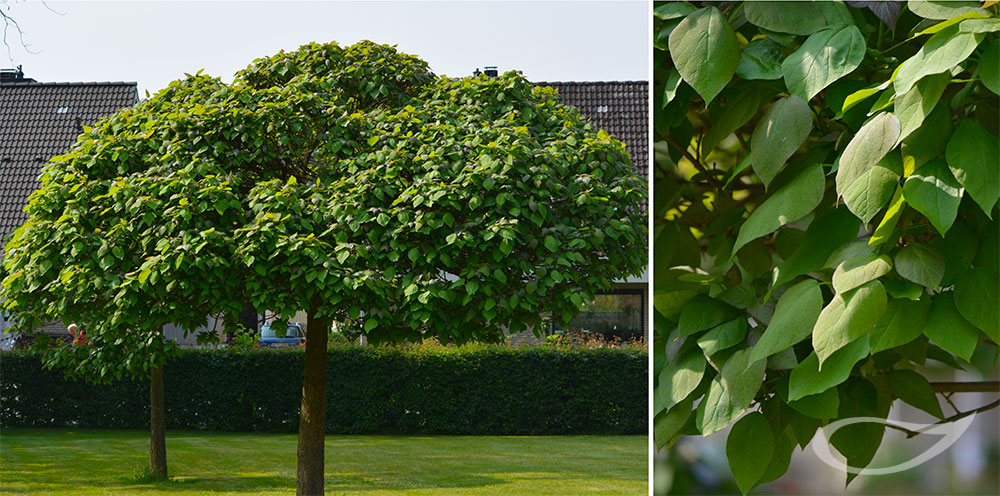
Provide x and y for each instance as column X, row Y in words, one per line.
column 157, row 427
column 312, row 422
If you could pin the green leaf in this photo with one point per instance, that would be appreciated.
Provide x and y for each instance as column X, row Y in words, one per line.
column 989, row 67
column 371, row 324
column 934, row 192
column 705, row 51
column 143, row 275
column 859, row 270
column 824, row 405
column 978, row 299
column 921, row 263
column 941, row 9
column 928, row 141
column 793, row 319
column 826, row 56
column 859, row 442
column 788, row 204
column 552, row 244
column 948, row 329
column 973, row 154
column 802, row 18
column 975, row 25
column 760, row 59
column 872, row 143
column 667, row 424
column 716, row 410
column 739, row 109
column 779, row 133
column 807, row 378
column 742, row 378
column 874, row 187
column 724, row 336
column 749, row 449
column 847, row 317
column 912, row 107
column 825, row 234
column 681, row 377
column 944, row 50
column 914, row 389
column 902, row 322
column 672, row 10
column 701, row 313
column 887, row 225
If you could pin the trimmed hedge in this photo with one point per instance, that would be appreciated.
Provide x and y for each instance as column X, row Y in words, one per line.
column 477, row 391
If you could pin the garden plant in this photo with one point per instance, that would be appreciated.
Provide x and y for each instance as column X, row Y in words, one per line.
column 825, row 218
column 350, row 182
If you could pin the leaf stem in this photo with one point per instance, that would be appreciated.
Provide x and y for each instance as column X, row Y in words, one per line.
column 697, row 165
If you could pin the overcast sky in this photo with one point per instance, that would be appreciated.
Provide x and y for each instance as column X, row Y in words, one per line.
column 154, row 43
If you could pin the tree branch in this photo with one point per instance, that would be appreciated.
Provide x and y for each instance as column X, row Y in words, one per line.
column 966, row 387
column 953, row 418
column 697, row 165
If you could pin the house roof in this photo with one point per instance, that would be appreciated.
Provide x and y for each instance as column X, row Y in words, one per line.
column 618, row 107
column 39, row 121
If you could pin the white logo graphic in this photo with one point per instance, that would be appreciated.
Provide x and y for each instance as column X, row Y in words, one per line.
column 949, row 432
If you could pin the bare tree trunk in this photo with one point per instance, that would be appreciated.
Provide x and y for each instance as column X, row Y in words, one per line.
column 312, row 422
column 157, row 427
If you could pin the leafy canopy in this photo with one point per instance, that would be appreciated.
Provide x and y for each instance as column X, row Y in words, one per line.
column 825, row 217
column 349, row 179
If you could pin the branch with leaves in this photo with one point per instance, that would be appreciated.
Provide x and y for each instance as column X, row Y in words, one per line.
column 853, row 245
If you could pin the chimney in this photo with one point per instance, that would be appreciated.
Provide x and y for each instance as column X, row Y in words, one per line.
column 14, row 76
column 491, row 71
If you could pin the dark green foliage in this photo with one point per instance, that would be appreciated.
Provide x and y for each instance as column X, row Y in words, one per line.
column 479, row 391
column 826, row 172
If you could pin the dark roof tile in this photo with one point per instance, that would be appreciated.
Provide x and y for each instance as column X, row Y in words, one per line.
column 39, row 121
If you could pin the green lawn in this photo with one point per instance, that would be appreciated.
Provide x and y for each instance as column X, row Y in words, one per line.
column 87, row 462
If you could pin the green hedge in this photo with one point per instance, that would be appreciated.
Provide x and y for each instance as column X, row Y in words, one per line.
column 482, row 390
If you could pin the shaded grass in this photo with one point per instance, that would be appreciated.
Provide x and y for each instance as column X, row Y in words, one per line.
column 91, row 462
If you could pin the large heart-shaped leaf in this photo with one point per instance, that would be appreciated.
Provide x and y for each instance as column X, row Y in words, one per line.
column 705, row 51
column 921, row 263
column 847, row 317
column 717, row 409
column 867, row 148
column 934, row 192
column 807, row 378
column 989, row 67
column 978, row 299
column 944, row 50
column 867, row 194
column 825, row 234
column 940, row 9
column 826, row 56
column 948, row 329
column 749, row 449
column 782, row 130
column 928, row 141
column 901, row 323
column 785, row 17
column 859, row 270
column 789, row 203
column 913, row 106
column 973, row 155
column 760, row 59
column 680, row 377
column 793, row 319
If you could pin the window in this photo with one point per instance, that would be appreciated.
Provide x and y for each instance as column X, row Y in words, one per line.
column 616, row 315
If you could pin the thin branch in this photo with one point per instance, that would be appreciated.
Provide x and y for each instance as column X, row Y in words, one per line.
column 953, row 418
column 947, row 397
column 697, row 165
column 966, row 387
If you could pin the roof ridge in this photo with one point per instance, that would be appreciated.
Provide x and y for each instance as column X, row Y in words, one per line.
column 591, row 82
column 72, row 83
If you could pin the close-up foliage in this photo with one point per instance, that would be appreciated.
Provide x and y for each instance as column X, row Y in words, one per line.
column 825, row 218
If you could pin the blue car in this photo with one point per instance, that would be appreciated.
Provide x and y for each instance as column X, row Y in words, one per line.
column 295, row 335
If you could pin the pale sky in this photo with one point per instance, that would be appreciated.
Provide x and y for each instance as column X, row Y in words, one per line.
column 154, row 43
